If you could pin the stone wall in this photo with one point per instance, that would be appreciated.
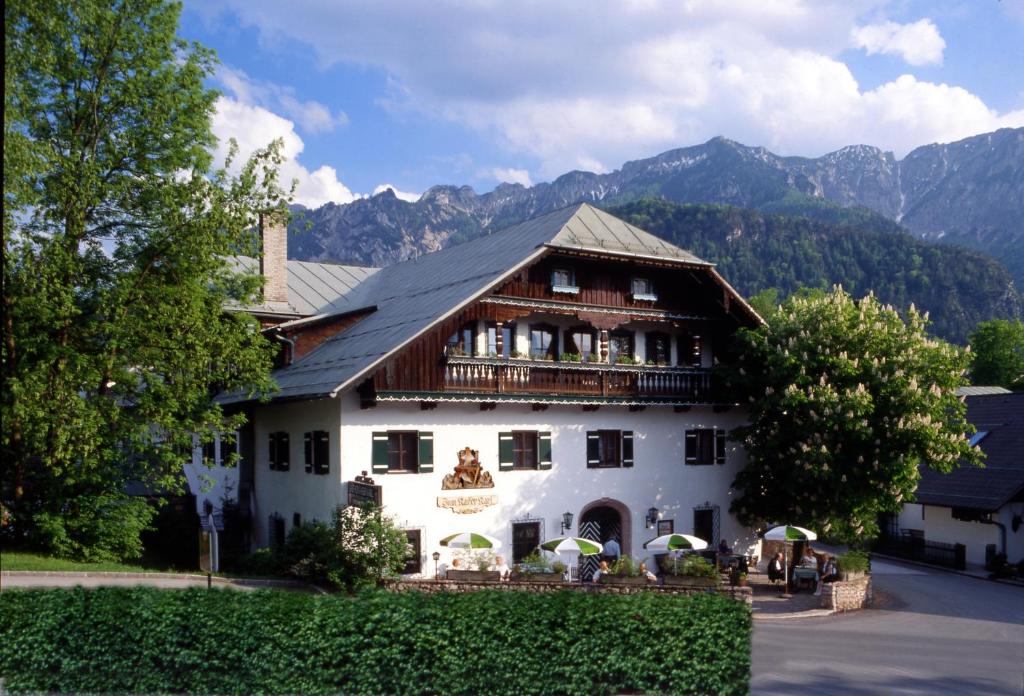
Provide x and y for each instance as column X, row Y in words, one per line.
column 848, row 595
column 740, row 594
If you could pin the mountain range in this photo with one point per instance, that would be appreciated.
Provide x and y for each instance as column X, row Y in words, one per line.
column 969, row 193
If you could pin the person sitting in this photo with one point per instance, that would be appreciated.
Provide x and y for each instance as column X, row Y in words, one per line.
column 502, row 567
column 647, row 574
column 809, row 560
column 723, row 547
column 829, row 571
column 776, row 572
column 602, row 569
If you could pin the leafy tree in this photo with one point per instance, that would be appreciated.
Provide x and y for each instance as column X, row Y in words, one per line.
column 370, row 548
column 116, row 237
column 998, row 354
column 846, row 399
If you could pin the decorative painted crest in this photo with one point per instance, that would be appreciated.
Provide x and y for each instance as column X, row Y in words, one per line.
column 468, row 473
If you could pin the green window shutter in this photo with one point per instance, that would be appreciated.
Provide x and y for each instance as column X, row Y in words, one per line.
column 627, row 448
column 426, row 460
column 284, row 454
column 593, row 449
column 321, row 452
column 719, row 447
column 505, row 456
column 379, row 457
column 691, row 446
column 544, row 450
column 272, row 450
column 307, row 441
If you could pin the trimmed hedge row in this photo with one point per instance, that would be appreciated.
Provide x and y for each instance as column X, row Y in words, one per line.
column 145, row 640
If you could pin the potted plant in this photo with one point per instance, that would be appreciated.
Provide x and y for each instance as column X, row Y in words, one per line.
column 853, row 565
column 535, row 568
column 624, row 571
column 737, row 578
column 482, row 563
column 691, row 571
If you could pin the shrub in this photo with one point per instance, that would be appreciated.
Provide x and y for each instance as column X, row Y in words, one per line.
column 625, row 567
column 854, row 562
column 145, row 640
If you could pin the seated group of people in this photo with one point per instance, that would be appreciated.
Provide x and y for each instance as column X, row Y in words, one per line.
column 604, row 569
column 825, row 570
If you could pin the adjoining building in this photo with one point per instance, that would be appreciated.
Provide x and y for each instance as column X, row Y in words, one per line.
column 981, row 509
column 553, row 377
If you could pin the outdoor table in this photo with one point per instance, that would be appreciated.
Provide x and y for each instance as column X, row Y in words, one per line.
column 805, row 574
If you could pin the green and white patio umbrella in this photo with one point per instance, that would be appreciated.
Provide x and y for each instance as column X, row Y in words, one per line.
column 786, row 533
column 676, row 542
column 584, row 547
column 471, row 540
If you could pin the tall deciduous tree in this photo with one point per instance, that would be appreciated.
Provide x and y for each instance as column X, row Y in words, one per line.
column 998, row 354
column 116, row 235
column 846, row 399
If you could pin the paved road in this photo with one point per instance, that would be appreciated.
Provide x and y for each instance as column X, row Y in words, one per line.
column 936, row 633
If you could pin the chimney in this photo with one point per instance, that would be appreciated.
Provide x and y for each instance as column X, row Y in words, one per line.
column 274, row 257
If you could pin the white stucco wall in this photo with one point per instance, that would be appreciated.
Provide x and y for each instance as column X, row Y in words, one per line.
column 659, row 478
column 938, row 525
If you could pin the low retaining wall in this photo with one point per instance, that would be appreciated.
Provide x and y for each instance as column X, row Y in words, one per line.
column 740, row 594
column 848, row 595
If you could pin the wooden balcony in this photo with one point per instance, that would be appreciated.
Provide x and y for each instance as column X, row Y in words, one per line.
column 541, row 377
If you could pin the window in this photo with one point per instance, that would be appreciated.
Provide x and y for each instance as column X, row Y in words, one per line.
column 543, row 342
column 209, row 453
column 462, row 341
column 492, row 339
column 524, row 450
column 564, row 280
column 525, row 538
column 228, row 447
column 398, row 451
column 275, row 531
column 580, row 341
column 278, row 451
column 296, row 519
column 658, row 347
column 620, row 345
column 413, row 561
column 402, row 452
column 643, row 289
column 318, row 452
column 608, row 449
column 689, row 350
column 705, row 446
column 508, row 339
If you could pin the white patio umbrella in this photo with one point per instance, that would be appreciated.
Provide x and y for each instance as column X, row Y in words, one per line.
column 675, row 543
column 584, row 547
column 471, row 540
column 786, row 533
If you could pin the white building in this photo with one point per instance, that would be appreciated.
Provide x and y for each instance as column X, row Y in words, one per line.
column 571, row 354
column 981, row 508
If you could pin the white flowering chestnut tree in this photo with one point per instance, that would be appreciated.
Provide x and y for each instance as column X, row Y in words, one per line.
column 846, row 399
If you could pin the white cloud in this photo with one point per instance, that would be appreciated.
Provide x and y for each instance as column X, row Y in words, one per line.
column 401, row 195
column 511, row 176
column 918, row 44
column 312, row 116
column 593, row 85
column 254, row 127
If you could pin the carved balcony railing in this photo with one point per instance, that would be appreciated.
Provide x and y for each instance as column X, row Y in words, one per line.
column 496, row 376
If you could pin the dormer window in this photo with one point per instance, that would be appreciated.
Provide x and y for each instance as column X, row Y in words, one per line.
column 643, row 289
column 564, row 280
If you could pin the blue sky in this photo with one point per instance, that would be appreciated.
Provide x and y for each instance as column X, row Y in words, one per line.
column 411, row 94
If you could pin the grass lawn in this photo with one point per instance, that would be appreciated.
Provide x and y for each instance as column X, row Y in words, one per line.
column 26, row 560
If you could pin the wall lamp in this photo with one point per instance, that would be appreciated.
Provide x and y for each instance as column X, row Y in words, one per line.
column 652, row 517
column 566, row 521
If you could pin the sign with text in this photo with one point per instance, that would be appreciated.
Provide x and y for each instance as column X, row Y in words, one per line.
column 364, row 493
column 467, row 504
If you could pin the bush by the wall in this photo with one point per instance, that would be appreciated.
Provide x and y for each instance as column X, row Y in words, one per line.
column 854, row 562
column 144, row 640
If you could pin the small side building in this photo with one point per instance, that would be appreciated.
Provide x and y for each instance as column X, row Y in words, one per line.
column 980, row 508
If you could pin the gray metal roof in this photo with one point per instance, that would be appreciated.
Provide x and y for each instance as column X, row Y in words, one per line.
column 313, row 288
column 981, row 391
column 413, row 295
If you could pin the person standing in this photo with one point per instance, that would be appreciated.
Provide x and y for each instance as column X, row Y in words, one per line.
column 612, row 551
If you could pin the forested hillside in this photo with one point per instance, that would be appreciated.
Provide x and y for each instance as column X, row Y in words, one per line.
column 858, row 249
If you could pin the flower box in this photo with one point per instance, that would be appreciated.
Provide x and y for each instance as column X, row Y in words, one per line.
column 536, row 577
column 474, row 575
column 621, row 580
column 689, row 581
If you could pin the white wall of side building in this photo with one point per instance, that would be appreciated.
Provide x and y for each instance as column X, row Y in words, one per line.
column 659, row 477
column 211, row 482
column 938, row 525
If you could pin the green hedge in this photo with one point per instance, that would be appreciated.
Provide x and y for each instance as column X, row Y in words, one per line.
column 145, row 640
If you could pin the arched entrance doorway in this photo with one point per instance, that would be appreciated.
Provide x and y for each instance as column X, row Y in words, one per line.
column 602, row 520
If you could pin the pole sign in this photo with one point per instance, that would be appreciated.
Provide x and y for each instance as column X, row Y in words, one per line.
column 360, row 494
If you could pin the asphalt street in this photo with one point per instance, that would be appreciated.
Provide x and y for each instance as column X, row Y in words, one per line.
column 933, row 633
